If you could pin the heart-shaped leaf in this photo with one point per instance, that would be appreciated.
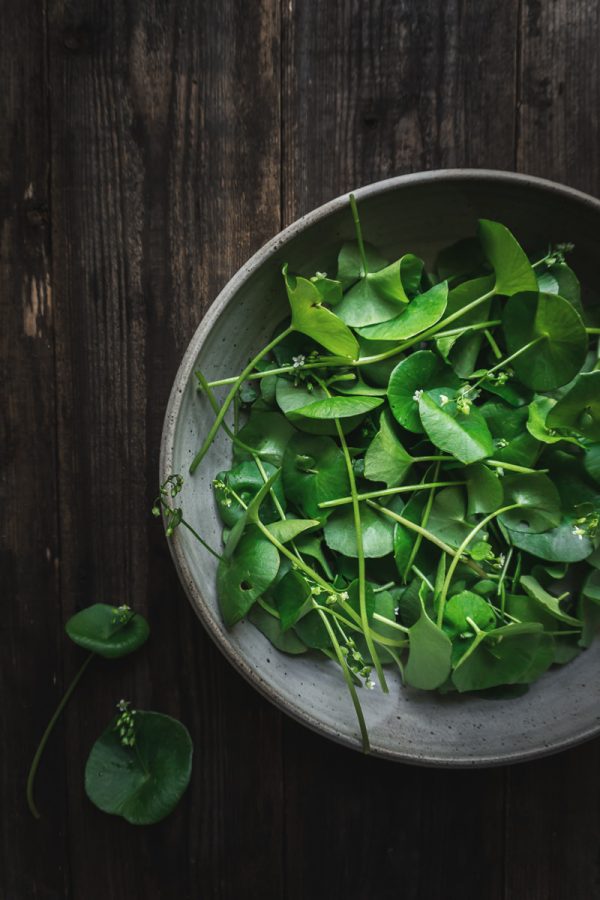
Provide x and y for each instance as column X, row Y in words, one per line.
column 463, row 259
column 554, row 334
column 330, row 289
column 421, row 313
column 350, row 268
column 579, row 409
column 536, row 422
column 550, row 604
column 339, row 407
column 447, row 519
column 430, row 654
column 292, row 598
column 510, row 263
column 107, row 630
column 243, row 576
column 144, row 783
column 311, row 318
column 420, row 371
column 539, row 507
column 379, row 296
column 314, row 472
column 464, row 435
column 377, row 532
column 386, row 459
column 465, row 605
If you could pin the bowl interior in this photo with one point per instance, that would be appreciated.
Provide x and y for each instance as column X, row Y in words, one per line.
column 419, row 214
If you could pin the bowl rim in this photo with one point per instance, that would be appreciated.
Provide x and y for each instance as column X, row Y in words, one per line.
column 185, row 370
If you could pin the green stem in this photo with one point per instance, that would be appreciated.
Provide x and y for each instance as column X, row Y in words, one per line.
column 412, row 526
column 459, row 553
column 512, row 467
column 593, row 330
column 490, row 339
column 476, row 326
column 508, row 359
column 359, row 237
column 348, row 678
column 389, row 492
column 426, row 513
column 362, row 595
column 390, row 623
column 44, row 740
column 201, row 540
column 229, row 399
column 206, row 387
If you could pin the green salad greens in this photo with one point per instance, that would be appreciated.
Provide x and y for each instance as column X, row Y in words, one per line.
column 416, row 468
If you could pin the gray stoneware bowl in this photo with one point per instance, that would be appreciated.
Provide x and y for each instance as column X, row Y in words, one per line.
column 418, row 213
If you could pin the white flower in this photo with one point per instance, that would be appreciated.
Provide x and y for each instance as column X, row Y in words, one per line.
column 444, row 399
column 579, row 532
column 369, row 684
column 344, row 595
column 417, row 396
column 298, row 361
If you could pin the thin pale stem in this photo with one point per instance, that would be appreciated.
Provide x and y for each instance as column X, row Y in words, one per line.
column 459, row 553
column 350, row 684
column 362, row 595
column 359, row 237
column 412, row 526
column 389, row 492
column 229, row 399
column 426, row 513
column 508, row 360
column 44, row 740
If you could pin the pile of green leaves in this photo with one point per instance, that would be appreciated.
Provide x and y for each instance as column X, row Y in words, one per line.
column 416, row 468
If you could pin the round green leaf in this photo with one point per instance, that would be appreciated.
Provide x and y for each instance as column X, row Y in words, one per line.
column 292, row 397
column 144, row 783
column 245, row 575
column 539, row 507
column 463, row 605
column 559, row 334
column 502, row 656
column 513, row 270
column 465, row 435
column 246, row 480
column 314, row 472
column 512, row 441
column 377, row 531
column 537, row 419
column 484, row 489
column 421, row 313
column 579, row 409
column 101, row 629
column 560, row 544
column 267, row 433
column 447, row 519
column 420, row 371
column 561, row 279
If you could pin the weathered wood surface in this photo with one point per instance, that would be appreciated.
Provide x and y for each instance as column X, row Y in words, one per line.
column 146, row 150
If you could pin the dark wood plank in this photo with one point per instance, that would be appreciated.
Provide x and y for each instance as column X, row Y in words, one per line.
column 165, row 178
column 559, row 90
column 382, row 88
column 372, row 90
column 553, row 807
column 33, row 857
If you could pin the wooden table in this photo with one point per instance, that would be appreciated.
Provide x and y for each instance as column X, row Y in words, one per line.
column 147, row 149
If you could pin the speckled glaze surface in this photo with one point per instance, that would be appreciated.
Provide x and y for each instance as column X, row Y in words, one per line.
column 418, row 213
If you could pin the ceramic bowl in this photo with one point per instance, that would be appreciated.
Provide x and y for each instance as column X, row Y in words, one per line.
column 419, row 213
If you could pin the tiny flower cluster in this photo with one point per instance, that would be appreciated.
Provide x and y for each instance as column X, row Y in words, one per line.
column 587, row 526
column 226, row 498
column 356, row 663
column 174, row 515
column 122, row 614
column 125, row 723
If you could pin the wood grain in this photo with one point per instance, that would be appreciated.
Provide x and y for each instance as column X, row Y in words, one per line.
column 147, row 149
column 165, row 178
column 34, row 861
